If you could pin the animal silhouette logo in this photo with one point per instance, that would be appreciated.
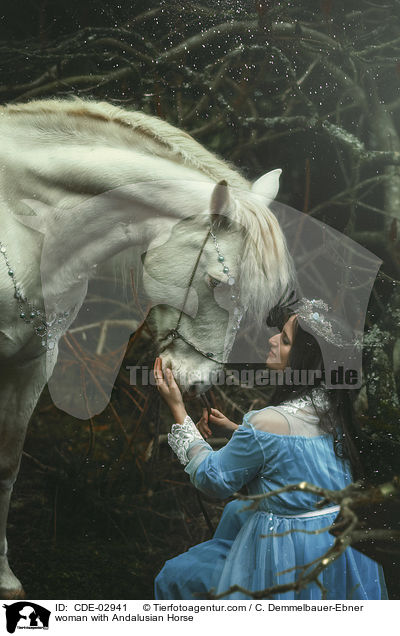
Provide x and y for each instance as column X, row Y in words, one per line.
column 26, row 615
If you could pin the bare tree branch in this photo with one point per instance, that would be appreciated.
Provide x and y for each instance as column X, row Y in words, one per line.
column 78, row 80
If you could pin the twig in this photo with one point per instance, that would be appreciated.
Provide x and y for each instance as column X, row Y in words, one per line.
column 45, row 468
column 78, row 80
column 352, row 496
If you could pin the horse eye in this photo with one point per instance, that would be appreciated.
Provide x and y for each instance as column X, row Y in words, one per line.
column 212, row 282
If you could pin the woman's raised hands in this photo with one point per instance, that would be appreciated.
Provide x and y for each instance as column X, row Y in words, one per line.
column 215, row 422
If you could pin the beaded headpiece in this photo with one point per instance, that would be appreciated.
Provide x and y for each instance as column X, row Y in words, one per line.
column 313, row 313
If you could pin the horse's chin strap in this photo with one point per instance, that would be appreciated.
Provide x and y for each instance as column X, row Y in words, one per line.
column 174, row 334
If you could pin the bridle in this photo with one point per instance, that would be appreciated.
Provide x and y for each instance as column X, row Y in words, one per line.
column 175, row 333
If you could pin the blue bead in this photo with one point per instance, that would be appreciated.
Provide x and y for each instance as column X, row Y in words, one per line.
column 221, row 259
column 10, row 272
column 209, row 355
column 22, row 315
column 226, row 269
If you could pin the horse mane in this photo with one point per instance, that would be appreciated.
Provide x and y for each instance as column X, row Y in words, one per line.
column 172, row 142
column 265, row 255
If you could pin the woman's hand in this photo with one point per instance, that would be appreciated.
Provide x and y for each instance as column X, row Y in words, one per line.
column 203, row 426
column 216, row 422
column 169, row 391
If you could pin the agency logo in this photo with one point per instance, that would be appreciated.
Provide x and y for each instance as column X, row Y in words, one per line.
column 26, row 615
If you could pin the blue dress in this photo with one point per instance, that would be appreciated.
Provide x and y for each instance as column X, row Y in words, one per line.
column 267, row 546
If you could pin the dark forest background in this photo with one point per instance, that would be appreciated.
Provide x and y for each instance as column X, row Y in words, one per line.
column 311, row 87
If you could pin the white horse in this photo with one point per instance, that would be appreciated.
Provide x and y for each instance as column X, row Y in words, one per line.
column 165, row 195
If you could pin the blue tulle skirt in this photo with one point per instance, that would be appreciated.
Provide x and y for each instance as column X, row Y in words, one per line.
column 243, row 552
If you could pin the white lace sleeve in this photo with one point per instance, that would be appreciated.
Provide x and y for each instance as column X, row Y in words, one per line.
column 181, row 438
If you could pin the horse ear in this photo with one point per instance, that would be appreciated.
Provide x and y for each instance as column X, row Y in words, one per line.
column 220, row 203
column 267, row 185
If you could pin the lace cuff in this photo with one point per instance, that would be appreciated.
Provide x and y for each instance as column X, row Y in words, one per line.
column 181, row 436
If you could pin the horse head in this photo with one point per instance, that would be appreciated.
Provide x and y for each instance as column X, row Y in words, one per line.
column 212, row 269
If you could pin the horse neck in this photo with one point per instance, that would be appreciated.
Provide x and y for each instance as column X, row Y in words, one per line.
column 79, row 238
column 115, row 211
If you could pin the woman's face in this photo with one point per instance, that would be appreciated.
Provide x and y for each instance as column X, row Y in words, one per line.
column 281, row 344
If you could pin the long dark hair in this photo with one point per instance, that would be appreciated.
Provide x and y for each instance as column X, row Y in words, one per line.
column 340, row 419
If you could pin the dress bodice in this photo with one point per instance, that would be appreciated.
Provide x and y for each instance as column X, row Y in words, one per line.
column 305, row 454
column 266, row 461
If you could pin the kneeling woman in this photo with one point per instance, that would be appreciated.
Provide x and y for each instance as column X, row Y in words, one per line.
column 297, row 439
